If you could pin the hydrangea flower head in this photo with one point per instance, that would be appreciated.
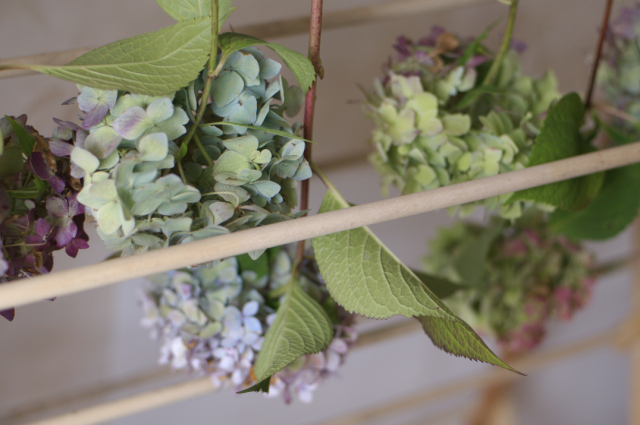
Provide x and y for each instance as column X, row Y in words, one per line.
column 530, row 275
column 214, row 321
column 428, row 131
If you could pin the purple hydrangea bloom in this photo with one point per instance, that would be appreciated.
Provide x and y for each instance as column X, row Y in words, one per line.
column 32, row 229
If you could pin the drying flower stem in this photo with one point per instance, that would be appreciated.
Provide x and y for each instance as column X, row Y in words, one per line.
column 596, row 62
column 310, row 101
column 504, row 47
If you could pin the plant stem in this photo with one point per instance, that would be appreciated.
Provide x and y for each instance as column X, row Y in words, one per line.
column 594, row 67
column 204, row 152
column 609, row 110
column 315, row 33
column 504, row 47
column 213, row 56
column 181, row 171
column 325, row 180
column 213, row 72
column 613, row 266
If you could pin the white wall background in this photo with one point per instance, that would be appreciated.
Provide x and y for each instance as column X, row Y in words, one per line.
column 78, row 341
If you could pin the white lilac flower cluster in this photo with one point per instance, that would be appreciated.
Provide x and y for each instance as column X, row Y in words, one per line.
column 148, row 188
column 529, row 276
column 437, row 123
column 213, row 321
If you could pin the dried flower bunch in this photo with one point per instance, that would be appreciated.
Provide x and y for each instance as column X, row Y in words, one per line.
column 619, row 70
column 39, row 209
column 213, row 321
column 440, row 119
column 528, row 275
column 148, row 189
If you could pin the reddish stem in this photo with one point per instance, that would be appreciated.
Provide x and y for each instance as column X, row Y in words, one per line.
column 594, row 68
column 310, row 100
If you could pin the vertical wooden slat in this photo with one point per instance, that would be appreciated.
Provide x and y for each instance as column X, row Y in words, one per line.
column 634, row 390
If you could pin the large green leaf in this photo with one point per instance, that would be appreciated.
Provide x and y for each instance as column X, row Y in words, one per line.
column 364, row 277
column 11, row 161
column 182, row 10
column 614, row 208
column 299, row 65
column 441, row 287
column 25, row 140
column 301, row 327
column 559, row 139
column 156, row 63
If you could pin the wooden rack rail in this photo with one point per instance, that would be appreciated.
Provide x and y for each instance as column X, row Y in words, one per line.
column 21, row 292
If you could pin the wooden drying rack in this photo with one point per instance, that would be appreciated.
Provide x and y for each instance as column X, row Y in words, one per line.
column 625, row 336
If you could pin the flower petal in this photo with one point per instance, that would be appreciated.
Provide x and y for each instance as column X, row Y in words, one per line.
column 57, row 207
column 102, row 141
column 60, row 148
column 132, row 123
column 160, row 110
column 42, row 227
column 66, row 233
column 95, row 116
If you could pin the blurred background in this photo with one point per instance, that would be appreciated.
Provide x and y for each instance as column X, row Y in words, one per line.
column 82, row 341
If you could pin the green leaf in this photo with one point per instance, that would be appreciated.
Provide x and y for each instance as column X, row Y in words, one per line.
column 476, row 46
column 559, row 139
column 41, row 185
column 182, row 10
column 154, row 64
column 265, row 129
column 441, row 287
column 299, row 65
column 25, row 140
column 182, row 152
column 470, row 260
column 614, row 208
column 260, row 266
column 364, row 277
column 301, row 327
column 11, row 161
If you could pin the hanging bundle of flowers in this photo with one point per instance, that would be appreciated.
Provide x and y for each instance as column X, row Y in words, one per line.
column 443, row 114
column 213, row 321
column 39, row 209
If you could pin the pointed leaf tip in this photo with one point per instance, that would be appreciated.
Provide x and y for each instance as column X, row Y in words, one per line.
column 260, row 387
column 365, row 277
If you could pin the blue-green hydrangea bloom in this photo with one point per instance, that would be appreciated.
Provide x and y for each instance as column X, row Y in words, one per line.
column 230, row 177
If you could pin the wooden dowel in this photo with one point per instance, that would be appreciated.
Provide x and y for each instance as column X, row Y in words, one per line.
column 174, row 393
column 131, row 405
column 159, row 376
column 394, row 9
column 25, row 291
column 528, row 365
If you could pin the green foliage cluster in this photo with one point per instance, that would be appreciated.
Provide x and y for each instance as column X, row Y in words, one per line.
column 437, row 122
column 525, row 274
